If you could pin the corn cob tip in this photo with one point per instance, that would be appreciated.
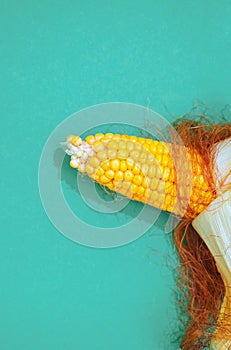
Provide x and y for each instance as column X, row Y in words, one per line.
column 79, row 151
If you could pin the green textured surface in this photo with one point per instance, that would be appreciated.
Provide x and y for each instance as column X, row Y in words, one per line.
column 56, row 58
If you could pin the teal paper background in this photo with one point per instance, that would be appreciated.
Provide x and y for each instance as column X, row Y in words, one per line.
column 59, row 57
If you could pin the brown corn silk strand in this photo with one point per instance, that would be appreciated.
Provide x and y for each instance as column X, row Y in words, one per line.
column 201, row 285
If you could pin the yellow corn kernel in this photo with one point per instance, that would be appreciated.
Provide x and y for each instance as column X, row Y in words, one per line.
column 161, row 200
column 99, row 146
column 110, row 185
column 158, row 157
column 172, row 176
column 94, row 162
column 134, row 188
column 119, row 176
column 122, row 153
column 95, row 177
column 151, row 159
column 115, row 164
column 138, row 179
column 165, row 160
column 135, row 155
column 76, row 140
column 154, row 183
column 99, row 171
column 136, row 169
column 90, row 139
column 141, row 140
column 144, row 169
column 159, row 171
column 122, row 145
column 152, row 171
column 154, row 197
column 168, row 201
column 89, row 169
column 138, row 147
column 200, row 208
column 130, row 163
column 123, row 165
column 122, row 187
column 153, row 148
column 147, row 194
column 140, row 191
column 104, row 179
column 168, row 187
column 116, row 136
column 143, row 157
column 146, row 181
column 146, row 146
column 110, row 174
column 106, row 165
column 73, row 164
column 102, row 155
column 161, row 187
column 112, row 144
column 125, row 188
column 166, row 174
column 128, row 175
column 99, row 136
column 108, row 136
column 112, row 153
column 130, row 145
column 173, row 192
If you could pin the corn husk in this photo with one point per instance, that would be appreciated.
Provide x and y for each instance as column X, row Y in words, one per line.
column 214, row 227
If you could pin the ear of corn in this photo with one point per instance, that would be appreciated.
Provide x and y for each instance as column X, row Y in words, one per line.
column 141, row 169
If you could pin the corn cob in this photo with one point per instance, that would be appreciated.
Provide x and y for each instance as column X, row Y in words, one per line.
column 143, row 170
